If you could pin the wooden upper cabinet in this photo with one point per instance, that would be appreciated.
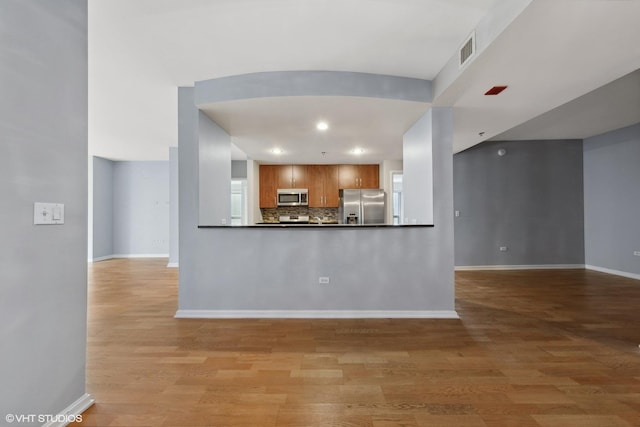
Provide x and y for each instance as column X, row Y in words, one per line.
column 369, row 176
column 323, row 186
column 292, row 176
column 268, row 179
column 299, row 176
column 348, row 176
column 331, row 186
column 283, row 174
column 359, row 176
column 316, row 185
column 323, row 181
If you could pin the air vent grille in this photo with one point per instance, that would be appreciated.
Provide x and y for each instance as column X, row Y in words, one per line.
column 468, row 49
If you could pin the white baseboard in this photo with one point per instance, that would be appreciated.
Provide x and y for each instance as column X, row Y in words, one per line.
column 71, row 412
column 101, row 258
column 614, row 272
column 520, row 267
column 115, row 256
column 173, row 265
column 316, row 314
column 140, row 256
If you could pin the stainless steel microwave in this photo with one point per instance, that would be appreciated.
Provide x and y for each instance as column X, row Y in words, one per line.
column 293, row 197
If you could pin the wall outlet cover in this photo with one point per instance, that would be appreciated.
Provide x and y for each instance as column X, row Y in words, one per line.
column 48, row 213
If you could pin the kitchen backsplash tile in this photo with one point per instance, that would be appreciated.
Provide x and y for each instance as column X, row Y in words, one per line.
column 272, row 215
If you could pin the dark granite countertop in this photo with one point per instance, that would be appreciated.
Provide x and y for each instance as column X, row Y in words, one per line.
column 276, row 225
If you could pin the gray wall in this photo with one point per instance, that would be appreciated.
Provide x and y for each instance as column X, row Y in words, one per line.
column 612, row 200
column 278, row 269
column 102, row 208
column 141, row 208
column 312, row 83
column 131, row 208
column 173, row 208
column 529, row 200
column 214, row 168
column 417, row 178
column 239, row 169
column 43, row 129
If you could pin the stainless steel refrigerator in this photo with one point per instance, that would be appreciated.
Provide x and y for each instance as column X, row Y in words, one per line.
column 361, row 206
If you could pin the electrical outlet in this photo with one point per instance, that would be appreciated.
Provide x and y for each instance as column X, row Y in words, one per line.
column 503, row 249
column 636, row 253
column 323, row 280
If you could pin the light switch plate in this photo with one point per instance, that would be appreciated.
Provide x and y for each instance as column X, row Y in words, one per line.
column 48, row 213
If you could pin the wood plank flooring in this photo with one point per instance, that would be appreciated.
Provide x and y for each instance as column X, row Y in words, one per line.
column 532, row 348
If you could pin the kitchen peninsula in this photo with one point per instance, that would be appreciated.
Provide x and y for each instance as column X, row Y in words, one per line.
column 312, row 270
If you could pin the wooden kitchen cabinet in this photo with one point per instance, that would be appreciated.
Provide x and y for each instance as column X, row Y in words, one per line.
column 323, row 181
column 359, row 176
column 369, row 176
column 323, row 186
column 269, row 185
column 348, row 176
column 292, row 176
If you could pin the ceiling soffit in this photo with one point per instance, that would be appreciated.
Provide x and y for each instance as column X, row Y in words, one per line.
column 263, row 111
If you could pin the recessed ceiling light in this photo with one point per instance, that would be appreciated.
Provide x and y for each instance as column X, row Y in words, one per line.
column 277, row 150
column 357, row 151
column 322, row 126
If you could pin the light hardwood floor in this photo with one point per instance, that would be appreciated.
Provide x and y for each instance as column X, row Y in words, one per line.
column 532, row 348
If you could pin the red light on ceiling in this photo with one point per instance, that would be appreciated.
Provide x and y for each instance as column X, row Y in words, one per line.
column 495, row 90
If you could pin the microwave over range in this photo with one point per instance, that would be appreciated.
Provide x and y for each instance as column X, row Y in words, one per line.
column 293, row 197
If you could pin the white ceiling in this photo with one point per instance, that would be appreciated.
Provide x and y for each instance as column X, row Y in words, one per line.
column 609, row 107
column 372, row 125
column 555, row 51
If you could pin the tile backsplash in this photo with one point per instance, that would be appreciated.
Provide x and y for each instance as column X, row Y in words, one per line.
column 272, row 215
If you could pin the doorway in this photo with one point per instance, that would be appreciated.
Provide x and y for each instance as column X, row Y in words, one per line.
column 397, row 205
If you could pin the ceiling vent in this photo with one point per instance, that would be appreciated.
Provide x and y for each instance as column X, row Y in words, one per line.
column 468, row 50
column 495, row 90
